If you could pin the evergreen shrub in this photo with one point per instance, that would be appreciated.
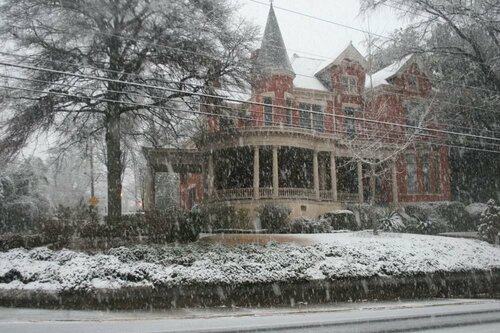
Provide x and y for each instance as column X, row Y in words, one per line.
column 274, row 218
column 305, row 225
column 341, row 220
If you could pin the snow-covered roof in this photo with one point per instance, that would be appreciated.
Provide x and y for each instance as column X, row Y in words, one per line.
column 388, row 72
column 350, row 53
column 304, row 69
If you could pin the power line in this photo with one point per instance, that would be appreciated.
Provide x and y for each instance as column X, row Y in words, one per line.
column 164, row 98
column 364, row 131
column 322, row 19
column 137, row 39
column 370, row 137
column 239, row 100
column 238, row 92
column 356, row 29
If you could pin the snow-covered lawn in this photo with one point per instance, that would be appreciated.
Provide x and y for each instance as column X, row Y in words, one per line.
column 327, row 256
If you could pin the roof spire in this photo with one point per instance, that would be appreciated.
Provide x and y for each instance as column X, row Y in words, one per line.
column 272, row 54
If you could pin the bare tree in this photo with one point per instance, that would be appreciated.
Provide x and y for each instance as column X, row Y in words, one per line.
column 104, row 68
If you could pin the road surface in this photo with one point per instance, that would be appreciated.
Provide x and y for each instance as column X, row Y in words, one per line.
column 478, row 316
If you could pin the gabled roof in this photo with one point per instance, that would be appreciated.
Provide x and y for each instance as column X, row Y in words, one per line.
column 305, row 68
column 385, row 74
column 350, row 53
column 272, row 54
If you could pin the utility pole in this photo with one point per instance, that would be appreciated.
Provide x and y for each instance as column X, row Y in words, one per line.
column 92, row 180
column 93, row 200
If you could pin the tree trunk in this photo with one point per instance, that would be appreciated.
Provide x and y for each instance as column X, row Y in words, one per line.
column 114, row 166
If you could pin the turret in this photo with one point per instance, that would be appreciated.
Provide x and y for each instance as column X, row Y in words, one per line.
column 274, row 75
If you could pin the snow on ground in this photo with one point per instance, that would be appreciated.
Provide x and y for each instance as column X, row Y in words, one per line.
column 330, row 256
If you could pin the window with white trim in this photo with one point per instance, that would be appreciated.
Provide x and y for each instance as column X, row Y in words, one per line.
column 288, row 111
column 268, row 111
column 411, row 173
column 349, row 84
column 312, row 116
column 426, row 173
column 350, row 124
column 318, row 118
column 435, row 173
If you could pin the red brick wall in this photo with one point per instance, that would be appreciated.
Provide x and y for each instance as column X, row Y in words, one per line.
column 279, row 85
column 342, row 97
column 444, row 193
column 187, row 182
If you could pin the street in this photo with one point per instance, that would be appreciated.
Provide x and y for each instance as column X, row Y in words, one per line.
column 428, row 316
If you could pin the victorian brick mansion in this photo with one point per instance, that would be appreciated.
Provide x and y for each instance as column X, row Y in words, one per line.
column 315, row 134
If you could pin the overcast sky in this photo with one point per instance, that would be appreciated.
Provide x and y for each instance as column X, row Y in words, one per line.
column 323, row 39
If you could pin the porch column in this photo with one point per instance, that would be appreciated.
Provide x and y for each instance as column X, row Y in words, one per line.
column 203, row 181
column 149, row 195
column 275, row 172
column 256, row 170
column 322, row 176
column 373, row 183
column 360, row 182
column 394, row 172
column 333, row 175
column 210, row 175
column 316, row 174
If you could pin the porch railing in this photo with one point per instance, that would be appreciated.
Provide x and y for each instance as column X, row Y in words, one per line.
column 296, row 193
column 326, row 195
column 234, row 194
column 347, row 197
column 265, row 192
column 283, row 193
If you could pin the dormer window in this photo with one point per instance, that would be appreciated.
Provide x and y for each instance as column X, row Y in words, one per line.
column 412, row 82
column 349, row 84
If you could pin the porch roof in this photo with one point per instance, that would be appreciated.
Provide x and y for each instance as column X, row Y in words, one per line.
column 174, row 159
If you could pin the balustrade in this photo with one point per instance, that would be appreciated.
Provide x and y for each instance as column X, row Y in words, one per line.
column 283, row 193
column 234, row 194
column 265, row 192
column 348, row 197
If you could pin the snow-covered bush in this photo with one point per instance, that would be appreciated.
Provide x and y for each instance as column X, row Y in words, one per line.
column 131, row 226
column 11, row 241
column 341, row 220
column 215, row 217
column 429, row 226
column 490, row 223
column 421, row 219
column 366, row 214
column 23, row 197
column 456, row 216
column 77, row 214
column 274, row 217
column 172, row 225
column 56, row 232
column 475, row 210
column 92, row 230
column 329, row 257
column 391, row 223
column 305, row 225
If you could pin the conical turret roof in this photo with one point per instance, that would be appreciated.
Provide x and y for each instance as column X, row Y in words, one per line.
column 272, row 54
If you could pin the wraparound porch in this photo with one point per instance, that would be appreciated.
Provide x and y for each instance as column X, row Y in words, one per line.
column 264, row 172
